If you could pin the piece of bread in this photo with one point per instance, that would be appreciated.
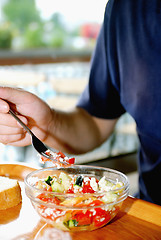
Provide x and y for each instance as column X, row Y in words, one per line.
column 10, row 193
column 10, row 214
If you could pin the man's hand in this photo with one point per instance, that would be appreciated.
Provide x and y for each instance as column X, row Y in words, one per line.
column 31, row 110
column 75, row 131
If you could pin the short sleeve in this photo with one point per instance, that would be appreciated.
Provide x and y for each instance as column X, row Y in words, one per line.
column 100, row 97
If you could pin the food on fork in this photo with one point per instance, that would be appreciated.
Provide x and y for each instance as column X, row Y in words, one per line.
column 60, row 159
column 10, row 193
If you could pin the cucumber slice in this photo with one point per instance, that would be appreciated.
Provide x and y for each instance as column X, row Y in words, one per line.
column 105, row 185
column 57, row 187
column 110, row 197
column 65, row 180
column 71, row 223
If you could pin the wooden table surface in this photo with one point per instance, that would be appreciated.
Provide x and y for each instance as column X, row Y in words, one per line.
column 136, row 220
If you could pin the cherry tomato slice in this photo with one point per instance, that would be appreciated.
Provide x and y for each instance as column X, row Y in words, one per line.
column 62, row 155
column 87, row 188
column 101, row 217
column 71, row 160
column 71, row 189
column 44, row 198
column 96, row 202
column 83, row 218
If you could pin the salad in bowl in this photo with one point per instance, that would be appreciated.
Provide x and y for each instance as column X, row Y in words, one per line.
column 78, row 197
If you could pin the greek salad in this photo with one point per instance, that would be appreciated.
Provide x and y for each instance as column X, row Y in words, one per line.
column 79, row 202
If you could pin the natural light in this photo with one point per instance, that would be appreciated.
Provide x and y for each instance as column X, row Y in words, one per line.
column 74, row 11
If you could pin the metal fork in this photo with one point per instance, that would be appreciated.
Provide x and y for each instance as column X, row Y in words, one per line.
column 37, row 144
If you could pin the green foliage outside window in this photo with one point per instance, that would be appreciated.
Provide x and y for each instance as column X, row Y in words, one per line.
column 30, row 30
column 20, row 13
column 33, row 36
column 6, row 36
column 33, row 31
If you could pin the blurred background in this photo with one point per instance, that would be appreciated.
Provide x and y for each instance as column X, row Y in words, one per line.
column 45, row 48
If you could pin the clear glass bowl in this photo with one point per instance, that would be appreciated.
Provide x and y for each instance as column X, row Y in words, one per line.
column 88, row 216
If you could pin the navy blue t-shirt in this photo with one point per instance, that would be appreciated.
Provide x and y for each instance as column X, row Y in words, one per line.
column 125, row 76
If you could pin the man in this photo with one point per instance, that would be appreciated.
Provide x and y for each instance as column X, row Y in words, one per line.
column 125, row 76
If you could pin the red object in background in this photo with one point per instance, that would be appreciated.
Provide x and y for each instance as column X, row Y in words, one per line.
column 90, row 30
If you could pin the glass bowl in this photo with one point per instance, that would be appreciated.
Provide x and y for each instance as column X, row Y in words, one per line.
column 78, row 208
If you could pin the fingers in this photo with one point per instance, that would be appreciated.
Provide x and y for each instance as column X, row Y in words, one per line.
column 11, row 134
column 17, row 99
column 5, row 130
column 10, row 130
column 8, row 120
column 11, row 139
column 21, row 141
column 4, row 107
column 14, row 95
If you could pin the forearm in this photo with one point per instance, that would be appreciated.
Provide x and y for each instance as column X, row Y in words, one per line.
column 72, row 132
column 77, row 131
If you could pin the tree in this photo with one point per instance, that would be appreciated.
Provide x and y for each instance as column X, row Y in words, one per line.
column 33, row 36
column 59, row 32
column 21, row 13
column 5, row 36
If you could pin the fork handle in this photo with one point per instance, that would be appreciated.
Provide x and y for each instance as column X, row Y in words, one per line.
column 22, row 124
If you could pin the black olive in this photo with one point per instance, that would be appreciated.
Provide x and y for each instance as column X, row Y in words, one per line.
column 48, row 180
column 79, row 181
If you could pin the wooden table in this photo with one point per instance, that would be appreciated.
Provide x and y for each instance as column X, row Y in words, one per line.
column 136, row 220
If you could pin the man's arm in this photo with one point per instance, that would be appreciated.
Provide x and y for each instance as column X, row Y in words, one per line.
column 73, row 132
column 79, row 132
